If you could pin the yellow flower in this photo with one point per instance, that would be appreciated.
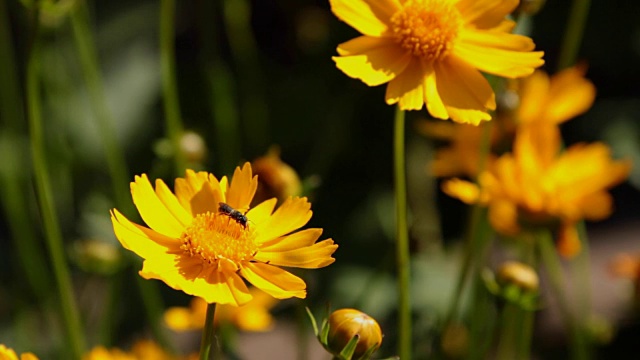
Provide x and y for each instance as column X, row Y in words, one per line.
column 8, row 354
column 252, row 316
column 537, row 185
column 430, row 51
column 554, row 100
column 141, row 350
column 195, row 247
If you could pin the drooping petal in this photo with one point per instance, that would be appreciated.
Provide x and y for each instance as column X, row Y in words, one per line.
column 242, row 188
column 154, row 213
column 407, row 89
column 485, row 14
column 370, row 17
column 503, row 215
column 568, row 240
column 171, row 202
column 274, row 281
column 381, row 62
column 205, row 282
column 597, row 206
column 141, row 240
column 501, row 62
column 311, row 257
column 467, row 192
column 533, row 93
column 465, row 93
column 290, row 216
column 432, row 98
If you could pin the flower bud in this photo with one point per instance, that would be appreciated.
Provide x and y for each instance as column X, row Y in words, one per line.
column 344, row 324
column 276, row 178
column 193, row 147
column 518, row 274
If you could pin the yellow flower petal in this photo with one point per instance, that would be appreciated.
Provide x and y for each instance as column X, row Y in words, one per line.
column 570, row 95
column 467, row 192
column 310, row 257
column 152, row 210
column 211, row 285
column 375, row 65
column 172, row 204
column 242, row 188
column 198, row 193
column 485, row 14
column 464, row 91
column 503, row 216
column 533, row 93
column 568, row 244
column 407, row 89
column 369, row 17
column 290, row 216
column 143, row 241
column 432, row 98
column 261, row 213
column 178, row 319
column 597, row 206
column 497, row 40
column 506, row 63
column 293, row 241
column 274, row 281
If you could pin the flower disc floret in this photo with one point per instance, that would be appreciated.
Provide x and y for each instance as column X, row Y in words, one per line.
column 215, row 236
column 428, row 29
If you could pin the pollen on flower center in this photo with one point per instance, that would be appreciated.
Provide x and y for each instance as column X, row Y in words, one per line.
column 216, row 236
column 427, row 29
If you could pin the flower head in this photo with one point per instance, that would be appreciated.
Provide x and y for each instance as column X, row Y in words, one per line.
column 344, row 324
column 141, row 350
column 430, row 51
column 536, row 185
column 195, row 244
column 276, row 178
column 9, row 354
column 252, row 316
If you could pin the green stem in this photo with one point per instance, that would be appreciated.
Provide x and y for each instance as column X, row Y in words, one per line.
column 573, row 35
column 402, row 238
column 208, row 338
column 82, row 35
column 509, row 326
column 44, row 192
column 473, row 244
column 14, row 175
column 173, row 121
column 555, row 272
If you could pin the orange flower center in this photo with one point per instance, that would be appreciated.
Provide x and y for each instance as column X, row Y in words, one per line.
column 217, row 236
column 427, row 29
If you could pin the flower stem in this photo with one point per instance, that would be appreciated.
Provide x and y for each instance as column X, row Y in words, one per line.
column 554, row 270
column 14, row 176
column 173, row 121
column 208, row 339
column 90, row 69
column 44, row 193
column 402, row 238
column 573, row 35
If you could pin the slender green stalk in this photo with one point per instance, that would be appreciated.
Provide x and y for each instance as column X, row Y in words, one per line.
column 44, row 193
column 82, row 35
column 573, row 35
column 173, row 121
column 581, row 267
column 554, row 269
column 115, row 159
column 222, row 87
column 473, row 244
column 508, row 332
column 14, row 175
column 208, row 339
column 402, row 237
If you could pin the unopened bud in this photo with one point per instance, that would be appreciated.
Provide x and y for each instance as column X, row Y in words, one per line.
column 344, row 324
column 518, row 274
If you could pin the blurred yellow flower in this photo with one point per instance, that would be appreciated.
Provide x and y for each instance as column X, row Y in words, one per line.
column 554, row 100
column 8, row 354
column 537, row 185
column 276, row 178
column 141, row 350
column 542, row 100
column 252, row 316
column 196, row 245
column 430, row 51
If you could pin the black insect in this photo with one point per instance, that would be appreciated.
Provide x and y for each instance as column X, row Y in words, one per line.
column 236, row 215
